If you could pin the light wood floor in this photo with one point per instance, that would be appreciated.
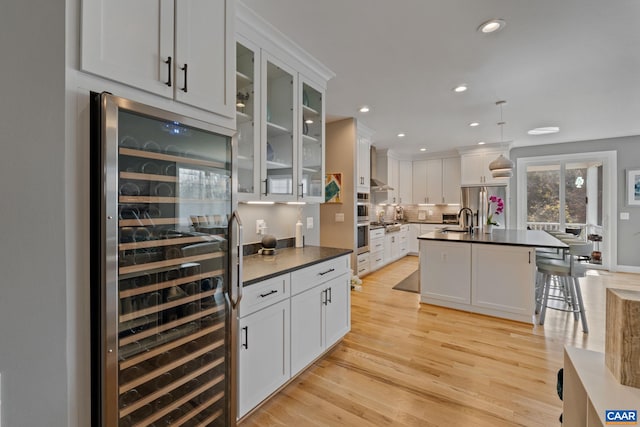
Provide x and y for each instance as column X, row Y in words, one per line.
column 408, row 364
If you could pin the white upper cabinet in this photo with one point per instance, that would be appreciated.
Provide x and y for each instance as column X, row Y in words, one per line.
column 182, row 50
column 475, row 168
column 392, row 180
column 281, row 150
column 363, row 176
column 279, row 94
column 204, row 53
column 405, row 181
column 436, row 181
column 247, row 116
column 420, row 181
column 312, row 156
column 451, row 180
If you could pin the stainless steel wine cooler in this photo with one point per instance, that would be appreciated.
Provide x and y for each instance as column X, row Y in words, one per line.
column 166, row 268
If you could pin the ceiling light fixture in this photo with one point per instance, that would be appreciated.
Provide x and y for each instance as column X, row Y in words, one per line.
column 501, row 167
column 491, row 26
column 364, row 109
column 544, row 131
column 481, row 143
column 401, row 135
column 423, row 149
column 460, row 88
column 474, row 124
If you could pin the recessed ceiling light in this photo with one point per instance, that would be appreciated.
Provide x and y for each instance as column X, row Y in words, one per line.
column 364, row 109
column 491, row 26
column 474, row 124
column 544, row 131
column 460, row 88
column 308, row 121
column 423, row 149
column 481, row 143
column 401, row 135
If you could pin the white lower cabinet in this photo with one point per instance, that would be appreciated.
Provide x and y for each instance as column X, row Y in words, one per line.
column 449, row 271
column 264, row 339
column 501, row 290
column 403, row 244
column 319, row 318
column 363, row 264
column 287, row 322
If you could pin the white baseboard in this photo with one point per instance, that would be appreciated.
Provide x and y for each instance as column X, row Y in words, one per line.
column 628, row 269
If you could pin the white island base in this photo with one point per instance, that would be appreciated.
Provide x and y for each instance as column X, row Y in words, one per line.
column 492, row 275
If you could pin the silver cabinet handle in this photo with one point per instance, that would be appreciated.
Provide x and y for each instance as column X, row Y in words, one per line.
column 235, row 219
column 329, row 298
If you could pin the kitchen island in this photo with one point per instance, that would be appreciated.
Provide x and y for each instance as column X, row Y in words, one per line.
column 492, row 274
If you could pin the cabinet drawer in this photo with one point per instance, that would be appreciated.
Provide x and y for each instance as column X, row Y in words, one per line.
column 263, row 294
column 307, row 278
column 378, row 232
column 376, row 245
column 376, row 260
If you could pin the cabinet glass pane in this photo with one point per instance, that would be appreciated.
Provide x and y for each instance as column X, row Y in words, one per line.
column 279, row 124
column 312, row 128
column 174, row 201
column 245, row 116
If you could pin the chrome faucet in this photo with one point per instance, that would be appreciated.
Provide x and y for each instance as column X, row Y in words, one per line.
column 468, row 219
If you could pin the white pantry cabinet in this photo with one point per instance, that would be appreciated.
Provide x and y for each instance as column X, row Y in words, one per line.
column 182, row 50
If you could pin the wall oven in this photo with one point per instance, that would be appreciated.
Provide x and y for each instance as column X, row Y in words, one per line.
column 362, row 206
column 363, row 237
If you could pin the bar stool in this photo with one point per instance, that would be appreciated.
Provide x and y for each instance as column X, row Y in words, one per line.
column 560, row 282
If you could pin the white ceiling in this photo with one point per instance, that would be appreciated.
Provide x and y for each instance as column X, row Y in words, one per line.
column 568, row 63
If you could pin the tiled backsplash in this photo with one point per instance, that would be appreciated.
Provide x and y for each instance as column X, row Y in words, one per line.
column 413, row 212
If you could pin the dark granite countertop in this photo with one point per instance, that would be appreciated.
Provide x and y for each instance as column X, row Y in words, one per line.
column 531, row 238
column 260, row 267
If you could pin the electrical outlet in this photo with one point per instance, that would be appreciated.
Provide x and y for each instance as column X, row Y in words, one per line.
column 309, row 222
column 340, row 217
column 260, row 226
column 624, row 216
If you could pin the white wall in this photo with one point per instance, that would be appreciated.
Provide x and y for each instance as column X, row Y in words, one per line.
column 33, row 302
column 281, row 220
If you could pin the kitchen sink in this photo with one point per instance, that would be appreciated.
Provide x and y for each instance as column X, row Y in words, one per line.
column 453, row 230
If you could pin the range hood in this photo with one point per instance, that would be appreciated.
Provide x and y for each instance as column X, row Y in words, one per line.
column 375, row 183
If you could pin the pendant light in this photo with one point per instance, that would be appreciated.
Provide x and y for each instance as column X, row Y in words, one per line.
column 501, row 167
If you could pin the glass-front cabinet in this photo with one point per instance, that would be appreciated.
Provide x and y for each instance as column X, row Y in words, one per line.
column 311, row 162
column 247, row 117
column 280, row 115
column 279, row 149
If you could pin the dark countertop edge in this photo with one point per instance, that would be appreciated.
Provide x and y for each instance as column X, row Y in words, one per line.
column 444, row 238
column 339, row 252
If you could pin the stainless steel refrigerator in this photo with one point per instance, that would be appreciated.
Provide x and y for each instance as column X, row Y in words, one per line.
column 166, row 268
column 476, row 199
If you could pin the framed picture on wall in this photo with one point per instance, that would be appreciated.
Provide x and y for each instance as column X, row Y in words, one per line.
column 333, row 188
column 633, row 187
